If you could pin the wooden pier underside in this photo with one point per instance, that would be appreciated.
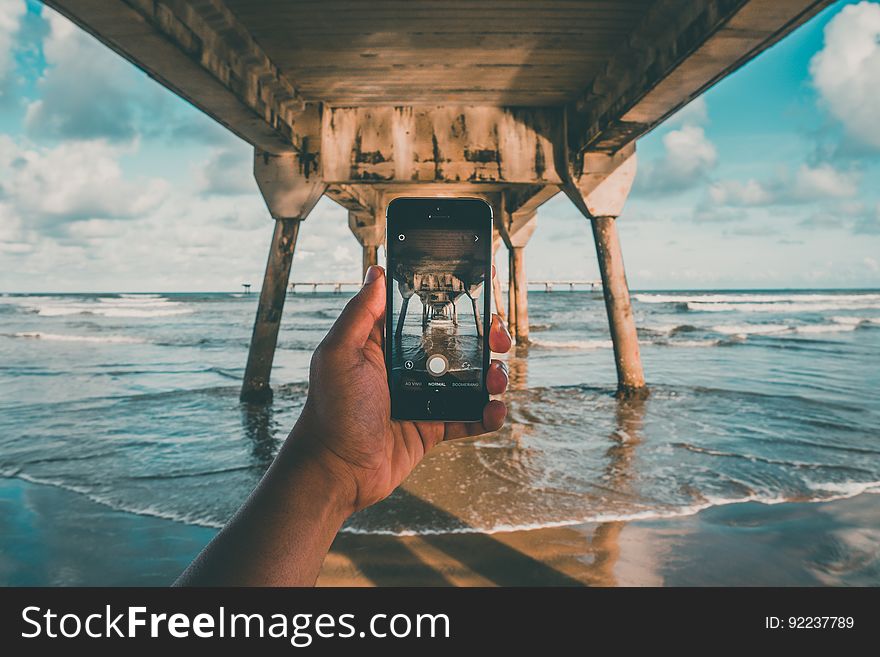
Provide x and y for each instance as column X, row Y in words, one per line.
column 509, row 100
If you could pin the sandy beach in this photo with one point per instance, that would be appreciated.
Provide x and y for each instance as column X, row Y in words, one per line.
column 50, row 536
column 744, row 544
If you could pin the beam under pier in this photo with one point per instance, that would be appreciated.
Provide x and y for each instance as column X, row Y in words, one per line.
column 255, row 387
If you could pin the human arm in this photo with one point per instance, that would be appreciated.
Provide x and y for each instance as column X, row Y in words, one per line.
column 343, row 454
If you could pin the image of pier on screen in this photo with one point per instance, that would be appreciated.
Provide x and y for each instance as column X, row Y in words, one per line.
column 438, row 281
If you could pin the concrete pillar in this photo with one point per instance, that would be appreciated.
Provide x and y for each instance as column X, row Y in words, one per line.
column 368, row 228
column 518, row 301
column 630, row 376
column 291, row 189
column 370, row 257
column 599, row 186
column 515, row 229
column 255, row 387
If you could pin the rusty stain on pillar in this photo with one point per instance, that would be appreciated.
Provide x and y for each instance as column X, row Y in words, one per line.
column 255, row 387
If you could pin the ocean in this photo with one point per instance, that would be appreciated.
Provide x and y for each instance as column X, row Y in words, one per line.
column 131, row 400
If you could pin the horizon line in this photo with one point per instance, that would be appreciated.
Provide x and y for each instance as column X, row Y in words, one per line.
column 256, row 292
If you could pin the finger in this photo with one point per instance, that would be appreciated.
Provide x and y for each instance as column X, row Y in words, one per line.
column 364, row 314
column 499, row 337
column 497, row 377
column 493, row 419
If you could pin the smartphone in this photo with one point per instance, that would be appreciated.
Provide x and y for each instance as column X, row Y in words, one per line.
column 439, row 276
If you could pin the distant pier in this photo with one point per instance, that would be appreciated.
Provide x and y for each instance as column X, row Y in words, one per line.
column 548, row 286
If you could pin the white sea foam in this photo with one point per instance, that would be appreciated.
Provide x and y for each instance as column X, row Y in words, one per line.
column 689, row 343
column 784, row 307
column 572, row 344
column 750, row 329
column 645, row 514
column 838, row 491
column 871, row 298
column 855, row 321
column 825, row 328
column 843, row 490
column 58, row 337
column 135, row 306
column 151, row 511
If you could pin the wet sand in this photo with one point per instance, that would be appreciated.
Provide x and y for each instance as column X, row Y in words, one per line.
column 833, row 543
column 50, row 536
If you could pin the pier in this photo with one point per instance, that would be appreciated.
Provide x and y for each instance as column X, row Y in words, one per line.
column 512, row 102
column 337, row 286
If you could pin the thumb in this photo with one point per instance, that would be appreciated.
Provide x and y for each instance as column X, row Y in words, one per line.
column 364, row 314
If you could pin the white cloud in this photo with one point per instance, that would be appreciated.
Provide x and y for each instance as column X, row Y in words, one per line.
column 48, row 188
column 846, row 72
column 695, row 112
column 823, row 182
column 87, row 91
column 11, row 12
column 688, row 158
column 734, row 192
column 229, row 171
column 809, row 184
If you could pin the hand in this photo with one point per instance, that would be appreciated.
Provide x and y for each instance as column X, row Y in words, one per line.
column 346, row 421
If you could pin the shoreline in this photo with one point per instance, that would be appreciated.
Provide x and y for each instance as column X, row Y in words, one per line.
column 54, row 537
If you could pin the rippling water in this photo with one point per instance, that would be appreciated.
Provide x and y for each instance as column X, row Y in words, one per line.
column 132, row 400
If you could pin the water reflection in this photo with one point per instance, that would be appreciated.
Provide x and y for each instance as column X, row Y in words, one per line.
column 518, row 366
column 627, row 434
column 259, row 427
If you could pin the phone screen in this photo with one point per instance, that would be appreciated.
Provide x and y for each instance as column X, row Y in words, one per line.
column 439, row 279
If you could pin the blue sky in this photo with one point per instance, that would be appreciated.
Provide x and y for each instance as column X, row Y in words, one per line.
column 109, row 182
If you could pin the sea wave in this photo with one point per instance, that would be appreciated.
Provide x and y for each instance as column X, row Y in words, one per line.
column 755, row 298
column 784, row 307
column 59, row 337
column 571, row 344
column 131, row 306
column 753, row 329
column 687, row 343
column 832, row 491
column 838, row 492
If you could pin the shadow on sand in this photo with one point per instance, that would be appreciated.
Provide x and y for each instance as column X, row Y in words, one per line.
column 565, row 556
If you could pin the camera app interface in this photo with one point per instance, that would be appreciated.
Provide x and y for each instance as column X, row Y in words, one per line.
column 438, row 281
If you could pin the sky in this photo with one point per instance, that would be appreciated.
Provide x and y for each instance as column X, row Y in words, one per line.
column 109, row 182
